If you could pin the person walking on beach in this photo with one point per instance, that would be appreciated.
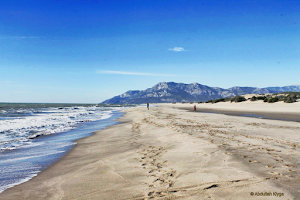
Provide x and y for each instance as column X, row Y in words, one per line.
column 194, row 108
column 148, row 105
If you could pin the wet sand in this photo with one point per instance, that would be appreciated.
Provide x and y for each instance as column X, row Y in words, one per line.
column 172, row 153
column 258, row 109
column 256, row 114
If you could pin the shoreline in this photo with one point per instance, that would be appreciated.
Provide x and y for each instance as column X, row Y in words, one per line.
column 45, row 151
column 269, row 113
column 255, row 114
column 172, row 153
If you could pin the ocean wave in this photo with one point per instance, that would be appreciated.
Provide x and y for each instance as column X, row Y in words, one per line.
column 20, row 126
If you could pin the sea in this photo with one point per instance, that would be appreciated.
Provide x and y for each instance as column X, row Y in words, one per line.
column 33, row 136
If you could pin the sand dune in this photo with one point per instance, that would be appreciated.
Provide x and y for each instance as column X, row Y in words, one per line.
column 171, row 153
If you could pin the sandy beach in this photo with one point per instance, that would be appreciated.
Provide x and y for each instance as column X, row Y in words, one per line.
column 169, row 152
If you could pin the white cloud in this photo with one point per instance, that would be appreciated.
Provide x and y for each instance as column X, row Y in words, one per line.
column 177, row 49
column 131, row 73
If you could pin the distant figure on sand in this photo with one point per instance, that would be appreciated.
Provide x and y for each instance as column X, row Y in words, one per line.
column 148, row 105
column 194, row 108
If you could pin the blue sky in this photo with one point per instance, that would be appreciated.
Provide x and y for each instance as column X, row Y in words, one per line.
column 88, row 51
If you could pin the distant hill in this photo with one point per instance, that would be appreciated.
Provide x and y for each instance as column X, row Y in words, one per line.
column 167, row 92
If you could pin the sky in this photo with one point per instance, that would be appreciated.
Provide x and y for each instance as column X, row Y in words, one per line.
column 87, row 51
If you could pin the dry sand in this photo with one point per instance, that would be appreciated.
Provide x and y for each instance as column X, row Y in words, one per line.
column 171, row 153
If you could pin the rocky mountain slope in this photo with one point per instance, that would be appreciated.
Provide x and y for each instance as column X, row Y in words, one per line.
column 179, row 92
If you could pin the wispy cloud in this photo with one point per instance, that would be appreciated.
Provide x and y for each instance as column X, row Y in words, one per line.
column 131, row 73
column 177, row 49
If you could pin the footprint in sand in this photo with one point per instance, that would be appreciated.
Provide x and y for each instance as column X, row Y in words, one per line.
column 288, row 165
column 275, row 173
column 270, row 166
column 253, row 161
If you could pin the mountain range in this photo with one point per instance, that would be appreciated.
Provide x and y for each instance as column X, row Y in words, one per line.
column 168, row 92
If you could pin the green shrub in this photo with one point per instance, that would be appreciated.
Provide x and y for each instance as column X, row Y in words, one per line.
column 261, row 97
column 291, row 98
column 209, row 101
column 218, row 100
column 253, row 98
column 266, row 99
column 273, row 99
column 238, row 99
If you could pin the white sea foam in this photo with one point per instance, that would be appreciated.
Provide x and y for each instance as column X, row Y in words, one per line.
column 4, row 187
column 17, row 131
column 18, row 125
column 35, row 155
